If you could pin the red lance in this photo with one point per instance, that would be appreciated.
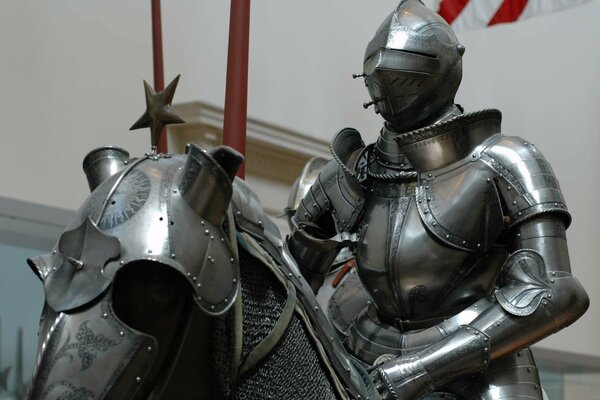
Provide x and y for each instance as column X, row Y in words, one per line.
column 157, row 56
column 236, row 90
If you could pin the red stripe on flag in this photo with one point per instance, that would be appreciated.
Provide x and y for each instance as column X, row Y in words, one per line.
column 509, row 11
column 450, row 9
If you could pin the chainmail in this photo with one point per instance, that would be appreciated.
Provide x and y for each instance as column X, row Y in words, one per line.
column 263, row 298
column 293, row 369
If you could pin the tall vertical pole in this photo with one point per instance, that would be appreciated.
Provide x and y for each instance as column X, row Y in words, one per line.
column 157, row 56
column 236, row 91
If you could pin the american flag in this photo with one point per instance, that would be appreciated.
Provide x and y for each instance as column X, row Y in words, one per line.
column 472, row 14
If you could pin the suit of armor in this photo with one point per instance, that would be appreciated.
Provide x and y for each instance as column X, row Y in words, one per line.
column 458, row 230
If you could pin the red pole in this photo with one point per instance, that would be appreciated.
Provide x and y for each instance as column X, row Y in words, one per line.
column 236, row 91
column 157, row 56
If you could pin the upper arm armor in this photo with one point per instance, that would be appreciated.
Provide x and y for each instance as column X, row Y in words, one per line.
column 337, row 188
column 525, row 180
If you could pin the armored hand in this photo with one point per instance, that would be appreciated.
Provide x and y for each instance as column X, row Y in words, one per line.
column 415, row 375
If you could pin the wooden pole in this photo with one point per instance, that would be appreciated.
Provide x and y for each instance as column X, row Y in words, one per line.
column 157, row 56
column 236, row 90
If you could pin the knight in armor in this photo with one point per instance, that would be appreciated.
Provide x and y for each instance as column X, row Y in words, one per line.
column 458, row 230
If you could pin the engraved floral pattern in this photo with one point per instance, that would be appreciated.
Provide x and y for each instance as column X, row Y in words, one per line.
column 88, row 346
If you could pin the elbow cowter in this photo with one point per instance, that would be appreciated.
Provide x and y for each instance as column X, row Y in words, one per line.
column 529, row 284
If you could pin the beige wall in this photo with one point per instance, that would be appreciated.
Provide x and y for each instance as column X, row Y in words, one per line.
column 70, row 73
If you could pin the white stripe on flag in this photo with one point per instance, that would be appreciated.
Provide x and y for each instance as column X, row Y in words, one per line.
column 535, row 7
column 476, row 14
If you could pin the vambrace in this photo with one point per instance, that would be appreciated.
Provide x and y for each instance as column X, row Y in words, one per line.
column 412, row 376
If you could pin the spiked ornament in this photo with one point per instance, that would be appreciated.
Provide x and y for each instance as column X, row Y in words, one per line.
column 158, row 111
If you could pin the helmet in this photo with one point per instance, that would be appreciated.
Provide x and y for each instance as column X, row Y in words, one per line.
column 413, row 66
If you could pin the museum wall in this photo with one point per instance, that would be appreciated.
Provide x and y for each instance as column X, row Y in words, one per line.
column 71, row 72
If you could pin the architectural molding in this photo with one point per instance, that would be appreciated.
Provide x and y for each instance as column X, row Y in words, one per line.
column 273, row 152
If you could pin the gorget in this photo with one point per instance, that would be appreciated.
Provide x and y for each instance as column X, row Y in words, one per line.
column 443, row 143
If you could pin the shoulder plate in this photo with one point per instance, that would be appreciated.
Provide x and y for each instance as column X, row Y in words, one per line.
column 460, row 205
column 337, row 188
column 525, row 179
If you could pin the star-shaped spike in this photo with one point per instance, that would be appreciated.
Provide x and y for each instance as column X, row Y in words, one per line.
column 158, row 111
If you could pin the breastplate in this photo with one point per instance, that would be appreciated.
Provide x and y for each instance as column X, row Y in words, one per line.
column 410, row 273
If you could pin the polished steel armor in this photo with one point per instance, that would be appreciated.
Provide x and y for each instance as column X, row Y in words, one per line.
column 458, row 230
column 172, row 283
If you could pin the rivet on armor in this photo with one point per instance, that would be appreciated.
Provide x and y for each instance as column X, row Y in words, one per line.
column 427, row 187
column 555, row 204
column 150, row 251
column 202, row 223
column 174, row 190
column 526, row 144
column 478, row 244
column 528, row 369
column 212, row 237
column 222, row 240
column 316, row 308
column 306, row 214
column 434, row 224
column 290, row 274
column 474, row 155
column 207, row 232
column 53, row 251
column 464, row 242
column 105, row 315
column 551, row 280
column 519, row 213
column 501, row 175
column 149, row 349
column 121, row 333
column 497, row 323
column 429, row 175
column 260, row 222
column 199, row 285
column 553, row 273
column 234, row 280
column 429, row 199
column 549, row 295
column 476, row 305
column 426, row 212
column 172, row 255
column 138, row 379
column 226, row 300
column 514, row 202
column 447, row 236
column 238, row 213
column 518, row 235
column 545, row 302
column 488, row 180
column 188, row 274
column 125, row 162
column 212, row 307
column 486, row 349
column 231, row 260
column 53, row 268
column 519, row 354
column 508, row 188
column 194, row 279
